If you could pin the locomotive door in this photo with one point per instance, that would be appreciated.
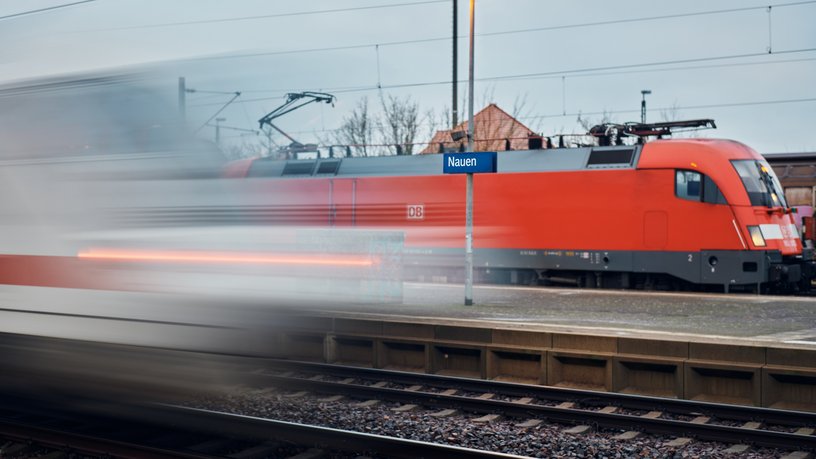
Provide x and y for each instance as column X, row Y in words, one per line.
column 655, row 229
column 343, row 202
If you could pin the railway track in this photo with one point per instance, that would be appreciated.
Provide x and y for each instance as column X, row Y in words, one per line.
column 740, row 426
column 166, row 431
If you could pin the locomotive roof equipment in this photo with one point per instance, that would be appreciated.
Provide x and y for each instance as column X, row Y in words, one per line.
column 611, row 133
column 294, row 101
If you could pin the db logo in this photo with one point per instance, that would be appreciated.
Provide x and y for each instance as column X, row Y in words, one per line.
column 416, row 211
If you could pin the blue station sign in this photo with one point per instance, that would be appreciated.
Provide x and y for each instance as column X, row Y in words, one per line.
column 469, row 163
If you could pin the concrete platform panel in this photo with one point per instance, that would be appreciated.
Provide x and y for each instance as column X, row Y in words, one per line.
column 516, row 366
column 521, row 338
column 654, row 347
column 343, row 326
column 308, row 347
column 659, row 377
column 723, row 383
column 350, row 351
column 726, row 353
column 458, row 361
column 404, row 356
column 406, row 329
column 584, row 342
column 463, row 334
column 789, row 388
column 579, row 370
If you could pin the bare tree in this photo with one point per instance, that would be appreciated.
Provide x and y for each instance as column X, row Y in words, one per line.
column 521, row 111
column 488, row 97
column 241, row 151
column 268, row 146
column 587, row 124
column 435, row 121
column 357, row 129
column 400, row 123
column 672, row 113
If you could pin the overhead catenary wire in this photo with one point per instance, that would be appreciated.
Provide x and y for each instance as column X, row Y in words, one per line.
column 579, row 136
column 620, row 111
column 505, row 32
column 666, row 66
column 554, row 73
column 275, row 15
column 237, row 95
column 42, row 10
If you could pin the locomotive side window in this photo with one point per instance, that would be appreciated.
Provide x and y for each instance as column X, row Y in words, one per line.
column 687, row 185
column 711, row 192
column 695, row 186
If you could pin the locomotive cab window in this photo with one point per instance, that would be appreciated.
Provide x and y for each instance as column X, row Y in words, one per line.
column 695, row 186
column 760, row 183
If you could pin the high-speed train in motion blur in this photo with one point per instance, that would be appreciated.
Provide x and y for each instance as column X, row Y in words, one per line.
column 669, row 214
column 118, row 233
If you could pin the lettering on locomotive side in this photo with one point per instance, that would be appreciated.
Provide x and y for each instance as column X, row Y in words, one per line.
column 416, row 212
column 453, row 161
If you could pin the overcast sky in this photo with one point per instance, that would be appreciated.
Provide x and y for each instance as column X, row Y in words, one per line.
column 710, row 60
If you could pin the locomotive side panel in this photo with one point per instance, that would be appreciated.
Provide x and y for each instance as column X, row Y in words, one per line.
column 586, row 210
column 430, row 209
column 302, row 202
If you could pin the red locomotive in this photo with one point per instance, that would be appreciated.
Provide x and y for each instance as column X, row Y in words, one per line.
column 675, row 213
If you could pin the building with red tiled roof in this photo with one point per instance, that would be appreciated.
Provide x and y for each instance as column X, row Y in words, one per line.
column 493, row 130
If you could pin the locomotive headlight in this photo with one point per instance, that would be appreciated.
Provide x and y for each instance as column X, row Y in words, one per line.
column 756, row 236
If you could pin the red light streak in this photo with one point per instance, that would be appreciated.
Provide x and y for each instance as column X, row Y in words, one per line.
column 171, row 256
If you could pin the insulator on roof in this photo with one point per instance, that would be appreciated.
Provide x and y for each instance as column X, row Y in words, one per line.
column 534, row 142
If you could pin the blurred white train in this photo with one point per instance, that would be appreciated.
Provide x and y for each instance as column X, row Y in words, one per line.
column 115, row 228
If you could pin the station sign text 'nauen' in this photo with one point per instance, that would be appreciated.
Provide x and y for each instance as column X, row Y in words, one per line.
column 469, row 163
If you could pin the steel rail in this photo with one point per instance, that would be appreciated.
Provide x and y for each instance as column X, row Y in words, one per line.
column 218, row 425
column 712, row 432
column 317, row 436
column 87, row 444
column 596, row 398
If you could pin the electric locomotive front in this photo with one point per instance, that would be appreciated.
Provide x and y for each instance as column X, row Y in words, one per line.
column 722, row 172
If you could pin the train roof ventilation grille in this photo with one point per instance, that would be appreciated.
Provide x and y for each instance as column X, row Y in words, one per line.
column 610, row 157
column 298, row 167
column 328, row 167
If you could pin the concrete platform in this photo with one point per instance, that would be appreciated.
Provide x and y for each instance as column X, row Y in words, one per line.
column 740, row 349
column 740, row 319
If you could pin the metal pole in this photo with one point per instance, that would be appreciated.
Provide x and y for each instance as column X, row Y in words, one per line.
column 455, row 103
column 182, row 100
column 469, row 243
column 470, row 79
column 218, row 130
column 469, row 196
column 643, row 105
